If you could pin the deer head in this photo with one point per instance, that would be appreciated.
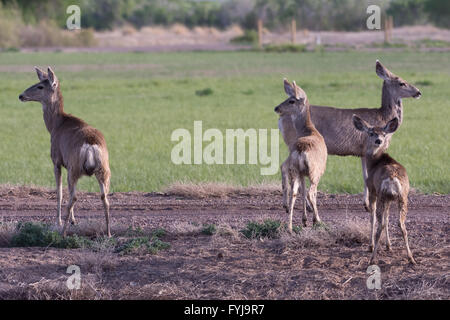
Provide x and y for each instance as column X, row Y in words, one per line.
column 45, row 90
column 376, row 136
column 398, row 88
column 295, row 103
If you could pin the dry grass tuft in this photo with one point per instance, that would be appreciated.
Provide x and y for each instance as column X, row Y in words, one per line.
column 350, row 233
column 185, row 228
column 7, row 230
column 219, row 189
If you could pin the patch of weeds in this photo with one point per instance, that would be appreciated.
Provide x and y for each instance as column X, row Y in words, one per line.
column 74, row 242
column 134, row 232
column 142, row 245
column 288, row 47
column 204, row 92
column 296, row 229
column 35, row 234
column 321, row 225
column 267, row 229
column 249, row 37
column 103, row 243
column 209, row 229
column 158, row 233
column 248, row 92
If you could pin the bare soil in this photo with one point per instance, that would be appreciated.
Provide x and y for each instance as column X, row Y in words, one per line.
column 226, row 265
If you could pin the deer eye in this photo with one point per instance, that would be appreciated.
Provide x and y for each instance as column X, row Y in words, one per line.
column 40, row 87
column 402, row 84
column 291, row 101
column 371, row 134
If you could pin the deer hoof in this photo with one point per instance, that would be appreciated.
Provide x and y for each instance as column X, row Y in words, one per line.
column 309, row 207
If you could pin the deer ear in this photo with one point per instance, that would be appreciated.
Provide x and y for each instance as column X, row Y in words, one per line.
column 359, row 123
column 382, row 72
column 41, row 74
column 299, row 93
column 52, row 78
column 391, row 126
column 288, row 88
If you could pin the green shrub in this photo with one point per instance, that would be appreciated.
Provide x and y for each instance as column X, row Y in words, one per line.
column 209, row 229
column 158, row 233
column 36, row 234
column 142, row 245
column 267, row 229
column 204, row 92
column 249, row 37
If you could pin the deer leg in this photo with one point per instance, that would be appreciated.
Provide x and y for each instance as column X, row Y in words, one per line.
column 382, row 211
column 294, row 190
column 388, row 240
column 103, row 181
column 373, row 219
column 366, row 190
column 403, row 211
column 285, row 184
column 58, row 179
column 304, row 196
column 72, row 181
column 312, row 195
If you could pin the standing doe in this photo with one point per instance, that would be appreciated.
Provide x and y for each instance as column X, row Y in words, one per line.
column 75, row 145
column 308, row 154
column 335, row 125
column 387, row 181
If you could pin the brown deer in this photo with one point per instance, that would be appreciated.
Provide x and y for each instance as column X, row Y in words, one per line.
column 336, row 127
column 75, row 145
column 308, row 153
column 387, row 182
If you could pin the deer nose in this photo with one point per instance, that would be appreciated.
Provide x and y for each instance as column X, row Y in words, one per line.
column 378, row 141
column 418, row 95
column 21, row 97
column 277, row 109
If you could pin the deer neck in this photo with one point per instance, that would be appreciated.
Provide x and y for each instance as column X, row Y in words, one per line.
column 373, row 158
column 302, row 122
column 53, row 110
column 391, row 105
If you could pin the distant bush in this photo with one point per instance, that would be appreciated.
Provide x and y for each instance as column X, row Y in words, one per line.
column 204, row 92
column 249, row 37
column 287, row 47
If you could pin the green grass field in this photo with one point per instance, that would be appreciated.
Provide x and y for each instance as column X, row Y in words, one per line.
column 138, row 99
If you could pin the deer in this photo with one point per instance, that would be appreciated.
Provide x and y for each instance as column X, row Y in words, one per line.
column 75, row 145
column 335, row 124
column 387, row 182
column 308, row 152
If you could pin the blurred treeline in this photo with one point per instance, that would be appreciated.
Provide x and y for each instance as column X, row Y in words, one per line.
column 343, row 15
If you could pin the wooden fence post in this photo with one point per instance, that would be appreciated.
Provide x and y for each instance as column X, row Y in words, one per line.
column 386, row 29
column 391, row 26
column 293, row 31
column 260, row 33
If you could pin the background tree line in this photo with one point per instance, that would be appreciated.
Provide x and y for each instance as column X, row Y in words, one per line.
column 343, row 15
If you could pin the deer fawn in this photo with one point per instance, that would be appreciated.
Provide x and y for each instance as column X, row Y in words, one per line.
column 387, row 181
column 308, row 154
column 335, row 125
column 75, row 145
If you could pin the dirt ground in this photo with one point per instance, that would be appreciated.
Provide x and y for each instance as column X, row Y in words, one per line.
column 226, row 265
